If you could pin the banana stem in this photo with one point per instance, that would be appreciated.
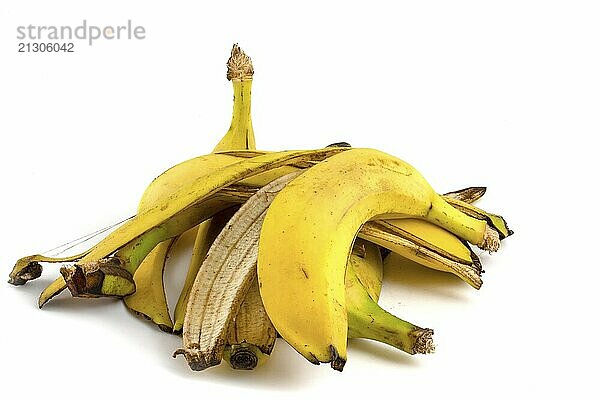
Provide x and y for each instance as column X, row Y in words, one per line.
column 367, row 320
column 244, row 356
column 240, row 72
column 240, row 134
column 241, row 121
column 377, row 324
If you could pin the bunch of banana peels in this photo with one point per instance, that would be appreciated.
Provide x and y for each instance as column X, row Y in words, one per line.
column 287, row 243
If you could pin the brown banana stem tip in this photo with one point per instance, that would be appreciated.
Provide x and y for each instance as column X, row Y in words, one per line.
column 337, row 362
column 491, row 240
column 196, row 360
column 423, row 341
column 33, row 270
column 239, row 65
column 243, row 358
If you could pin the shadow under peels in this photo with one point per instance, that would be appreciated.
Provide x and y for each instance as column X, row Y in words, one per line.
column 402, row 273
column 284, row 370
column 32, row 289
column 382, row 352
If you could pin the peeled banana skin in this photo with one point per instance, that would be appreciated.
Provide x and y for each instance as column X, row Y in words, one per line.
column 308, row 273
column 224, row 279
column 149, row 299
column 205, row 236
column 367, row 262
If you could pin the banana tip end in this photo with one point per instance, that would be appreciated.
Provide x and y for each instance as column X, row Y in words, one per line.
column 423, row 341
column 244, row 358
column 491, row 240
column 337, row 362
column 196, row 360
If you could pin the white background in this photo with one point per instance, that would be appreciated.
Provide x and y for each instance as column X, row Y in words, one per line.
column 502, row 94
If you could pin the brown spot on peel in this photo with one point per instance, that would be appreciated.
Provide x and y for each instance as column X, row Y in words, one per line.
column 304, row 272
